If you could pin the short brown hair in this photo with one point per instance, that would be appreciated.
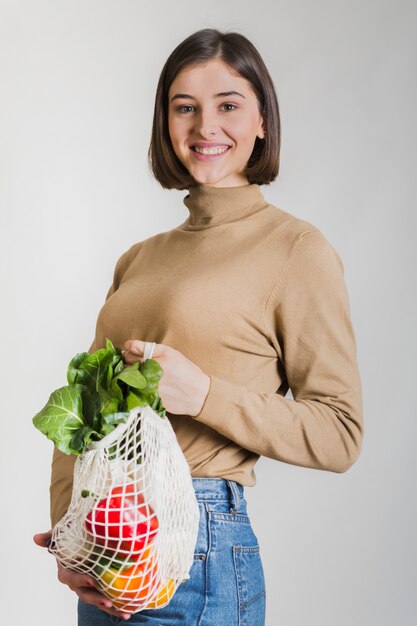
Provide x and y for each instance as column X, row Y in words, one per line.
column 242, row 57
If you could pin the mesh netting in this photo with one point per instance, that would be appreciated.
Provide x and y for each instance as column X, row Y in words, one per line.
column 133, row 519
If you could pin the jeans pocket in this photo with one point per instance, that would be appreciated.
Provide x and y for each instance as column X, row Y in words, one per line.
column 251, row 585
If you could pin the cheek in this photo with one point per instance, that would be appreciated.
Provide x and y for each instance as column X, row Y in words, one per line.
column 242, row 130
column 172, row 129
column 248, row 140
column 177, row 133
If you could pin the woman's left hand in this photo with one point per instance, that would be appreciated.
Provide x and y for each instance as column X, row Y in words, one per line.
column 183, row 387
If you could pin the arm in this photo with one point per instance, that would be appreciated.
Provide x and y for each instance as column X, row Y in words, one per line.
column 308, row 311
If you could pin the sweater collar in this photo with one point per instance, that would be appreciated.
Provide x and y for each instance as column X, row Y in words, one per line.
column 213, row 206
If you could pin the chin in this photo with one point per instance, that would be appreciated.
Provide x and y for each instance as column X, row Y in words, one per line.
column 205, row 180
column 220, row 181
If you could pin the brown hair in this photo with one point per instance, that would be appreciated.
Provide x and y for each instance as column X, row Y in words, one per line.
column 242, row 57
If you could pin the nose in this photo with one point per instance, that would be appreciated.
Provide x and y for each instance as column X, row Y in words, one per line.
column 206, row 123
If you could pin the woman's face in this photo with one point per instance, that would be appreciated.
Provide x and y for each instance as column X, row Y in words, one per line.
column 203, row 114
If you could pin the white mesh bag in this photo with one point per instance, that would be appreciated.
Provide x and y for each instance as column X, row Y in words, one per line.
column 133, row 519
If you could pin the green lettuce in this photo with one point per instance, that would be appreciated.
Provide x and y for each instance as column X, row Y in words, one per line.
column 101, row 392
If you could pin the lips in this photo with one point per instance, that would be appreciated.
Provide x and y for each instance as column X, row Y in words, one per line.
column 210, row 156
column 208, row 144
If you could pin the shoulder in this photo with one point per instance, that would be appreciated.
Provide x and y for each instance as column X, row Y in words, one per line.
column 136, row 250
column 126, row 258
column 287, row 224
column 293, row 238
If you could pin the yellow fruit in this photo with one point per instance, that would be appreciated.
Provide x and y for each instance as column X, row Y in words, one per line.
column 164, row 595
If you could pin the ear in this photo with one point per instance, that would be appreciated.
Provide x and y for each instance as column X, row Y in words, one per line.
column 262, row 130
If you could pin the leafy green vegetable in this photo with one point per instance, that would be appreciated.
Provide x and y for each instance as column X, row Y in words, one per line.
column 82, row 438
column 74, row 366
column 134, row 400
column 100, row 393
column 62, row 416
column 132, row 376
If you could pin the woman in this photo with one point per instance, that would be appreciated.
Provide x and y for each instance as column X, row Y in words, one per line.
column 244, row 301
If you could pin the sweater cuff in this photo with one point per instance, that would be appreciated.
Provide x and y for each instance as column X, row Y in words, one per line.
column 218, row 404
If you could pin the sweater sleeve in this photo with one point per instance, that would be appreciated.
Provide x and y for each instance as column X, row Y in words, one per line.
column 62, row 469
column 309, row 314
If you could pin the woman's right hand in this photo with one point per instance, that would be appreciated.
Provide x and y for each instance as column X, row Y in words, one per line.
column 82, row 584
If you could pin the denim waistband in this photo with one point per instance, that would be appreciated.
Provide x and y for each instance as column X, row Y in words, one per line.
column 219, row 489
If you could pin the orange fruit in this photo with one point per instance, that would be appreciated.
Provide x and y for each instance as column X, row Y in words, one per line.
column 134, row 583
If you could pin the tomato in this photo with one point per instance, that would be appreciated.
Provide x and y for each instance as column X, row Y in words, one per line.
column 122, row 521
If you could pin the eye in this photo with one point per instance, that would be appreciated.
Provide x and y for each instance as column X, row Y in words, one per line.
column 184, row 106
column 228, row 104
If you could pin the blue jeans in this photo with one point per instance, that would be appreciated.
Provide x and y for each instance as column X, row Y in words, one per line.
column 226, row 585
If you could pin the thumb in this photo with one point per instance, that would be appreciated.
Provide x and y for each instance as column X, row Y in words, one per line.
column 43, row 539
column 137, row 347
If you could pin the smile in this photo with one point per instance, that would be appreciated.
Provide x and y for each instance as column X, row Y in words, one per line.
column 204, row 154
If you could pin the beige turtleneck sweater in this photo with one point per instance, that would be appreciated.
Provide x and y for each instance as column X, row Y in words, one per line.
column 256, row 298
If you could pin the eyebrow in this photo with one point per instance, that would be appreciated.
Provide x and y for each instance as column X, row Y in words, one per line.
column 222, row 94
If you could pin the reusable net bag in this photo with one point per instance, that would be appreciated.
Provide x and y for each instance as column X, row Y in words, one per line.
column 133, row 519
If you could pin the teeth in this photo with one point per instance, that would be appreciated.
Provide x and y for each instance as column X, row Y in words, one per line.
column 216, row 150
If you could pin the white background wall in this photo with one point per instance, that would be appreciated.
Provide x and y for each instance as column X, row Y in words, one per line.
column 77, row 84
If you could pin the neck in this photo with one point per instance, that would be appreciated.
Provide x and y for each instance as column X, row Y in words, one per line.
column 214, row 206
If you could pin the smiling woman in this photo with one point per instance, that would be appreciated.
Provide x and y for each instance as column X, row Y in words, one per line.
column 215, row 90
column 243, row 301
column 214, row 137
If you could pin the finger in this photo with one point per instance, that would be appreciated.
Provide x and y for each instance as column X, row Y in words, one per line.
column 124, row 616
column 134, row 346
column 43, row 539
column 75, row 580
column 90, row 596
column 119, row 614
column 84, row 586
column 137, row 347
column 129, row 358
